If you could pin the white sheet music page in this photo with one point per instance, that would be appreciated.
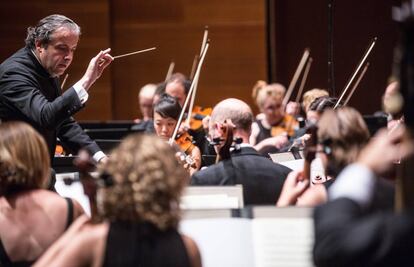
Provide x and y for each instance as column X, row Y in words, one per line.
column 222, row 242
column 283, row 242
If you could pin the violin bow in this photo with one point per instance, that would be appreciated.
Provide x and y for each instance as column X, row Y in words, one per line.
column 196, row 75
column 193, row 95
column 361, row 63
column 197, row 57
column 308, row 61
column 295, row 78
column 170, row 71
column 304, row 78
column 356, row 83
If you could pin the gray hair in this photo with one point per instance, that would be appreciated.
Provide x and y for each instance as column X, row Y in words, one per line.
column 46, row 27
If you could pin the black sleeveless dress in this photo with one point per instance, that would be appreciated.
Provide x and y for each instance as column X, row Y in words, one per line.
column 143, row 245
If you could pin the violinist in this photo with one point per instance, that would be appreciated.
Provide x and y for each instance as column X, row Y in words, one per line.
column 166, row 113
column 145, row 101
column 310, row 96
column 178, row 86
column 262, row 179
column 342, row 134
column 271, row 132
column 391, row 100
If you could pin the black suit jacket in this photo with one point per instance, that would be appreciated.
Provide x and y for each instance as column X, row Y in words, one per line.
column 346, row 235
column 29, row 94
column 261, row 178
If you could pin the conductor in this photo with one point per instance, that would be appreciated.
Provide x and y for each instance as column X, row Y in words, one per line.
column 30, row 89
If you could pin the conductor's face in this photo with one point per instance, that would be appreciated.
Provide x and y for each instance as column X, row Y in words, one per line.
column 56, row 56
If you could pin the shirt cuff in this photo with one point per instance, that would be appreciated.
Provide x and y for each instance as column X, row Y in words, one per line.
column 98, row 156
column 355, row 182
column 81, row 92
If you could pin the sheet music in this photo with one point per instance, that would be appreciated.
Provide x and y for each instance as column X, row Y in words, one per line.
column 317, row 168
column 283, row 242
column 222, row 242
column 295, row 165
column 75, row 191
column 213, row 201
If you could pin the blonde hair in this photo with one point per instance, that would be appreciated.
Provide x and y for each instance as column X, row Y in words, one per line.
column 148, row 181
column 275, row 90
column 344, row 132
column 311, row 95
column 256, row 88
column 24, row 158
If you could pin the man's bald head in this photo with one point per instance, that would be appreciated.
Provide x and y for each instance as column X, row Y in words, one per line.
column 237, row 111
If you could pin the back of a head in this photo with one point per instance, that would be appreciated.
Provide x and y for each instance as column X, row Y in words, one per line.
column 256, row 89
column 147, row 91
column 148, row 181
column 24, row 158
column 322, row 103
column 311, row 95
column 343, row 133
column 236, row 110
column 45, row 28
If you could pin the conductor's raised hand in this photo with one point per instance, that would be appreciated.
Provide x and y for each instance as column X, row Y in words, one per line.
column 96, row 67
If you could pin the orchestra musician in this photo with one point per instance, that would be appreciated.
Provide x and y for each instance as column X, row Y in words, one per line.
column 31, row 218
column 145, row 100
column 30, row 90
column 166, row 113
column 310, row 96
column 262, row 179
column 271, row 133
column 178, row 86
column 346, row 232
column 140, row 211
column 342, row 134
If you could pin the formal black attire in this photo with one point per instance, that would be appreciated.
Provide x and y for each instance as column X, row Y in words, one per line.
column 261, row 178
column 346, row 235
column 29, row 94
column 142, row 244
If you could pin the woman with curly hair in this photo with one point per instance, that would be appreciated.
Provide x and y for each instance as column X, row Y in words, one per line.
column 140, row 212
column 31, row 218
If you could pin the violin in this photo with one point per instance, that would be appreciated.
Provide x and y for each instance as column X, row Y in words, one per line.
column 286, row 126
column 226, row 141
column 185, row 142
column 184, row 146
column 197, row 115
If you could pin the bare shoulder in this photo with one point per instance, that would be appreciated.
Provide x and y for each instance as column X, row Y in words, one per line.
column 86, row 248
column 77, row 209
column 97, row 240
column 192, row 251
